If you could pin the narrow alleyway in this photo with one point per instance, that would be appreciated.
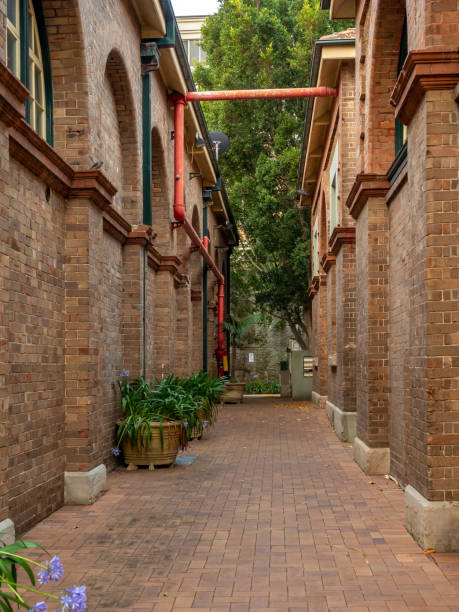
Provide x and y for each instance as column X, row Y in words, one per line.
column 273, row 514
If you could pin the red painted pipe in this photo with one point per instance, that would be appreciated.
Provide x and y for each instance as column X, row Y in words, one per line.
column 179, row 186
column 221, row 295
column 264, row 94
column 179, row 148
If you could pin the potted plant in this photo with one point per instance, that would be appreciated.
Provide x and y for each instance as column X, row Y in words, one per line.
column 157, row 419
column 207, row 391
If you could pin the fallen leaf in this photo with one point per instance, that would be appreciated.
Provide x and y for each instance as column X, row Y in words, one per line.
column 429, row 551
column 370, row 482
column 165, row 594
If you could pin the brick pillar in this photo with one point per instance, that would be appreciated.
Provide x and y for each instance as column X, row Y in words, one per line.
column 432, row 359
column 319, row 394
column 6, row 524
column 133, row 270
column 196, row 315
column 341, row 406
column 84, row 477
column 83, row 373
column 164, row 322
column 368, row 207
column 183, row 334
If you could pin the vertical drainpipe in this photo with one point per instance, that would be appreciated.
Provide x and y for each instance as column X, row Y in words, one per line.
column 204, row 295
column 146, row 181
column 228, row 301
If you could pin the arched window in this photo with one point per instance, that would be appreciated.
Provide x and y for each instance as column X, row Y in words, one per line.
column 401, row 132
column 28, row 59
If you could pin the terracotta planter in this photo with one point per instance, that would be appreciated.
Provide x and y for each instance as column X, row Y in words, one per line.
column 233, row 392
column 155, row 453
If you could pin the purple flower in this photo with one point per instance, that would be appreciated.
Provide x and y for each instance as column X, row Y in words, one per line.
column 185, row 423
column 39, row 607
column 124, row 373
column 116, row 452
column 54, row 571
column 74, row 599
column 204, row 424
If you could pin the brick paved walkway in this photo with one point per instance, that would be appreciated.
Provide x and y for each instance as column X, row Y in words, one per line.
column 273, row 514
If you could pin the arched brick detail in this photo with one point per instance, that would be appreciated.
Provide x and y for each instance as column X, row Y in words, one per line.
column 385, row 31
column 160, row 201
column 128, row 180
column 69, row 80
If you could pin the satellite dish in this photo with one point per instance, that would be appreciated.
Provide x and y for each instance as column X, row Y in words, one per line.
column 220, row 143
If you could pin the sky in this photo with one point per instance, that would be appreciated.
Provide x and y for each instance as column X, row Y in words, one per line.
column 194, row 7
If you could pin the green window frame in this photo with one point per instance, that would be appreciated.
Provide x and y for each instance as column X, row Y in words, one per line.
column 401, row 132
column 28, row 58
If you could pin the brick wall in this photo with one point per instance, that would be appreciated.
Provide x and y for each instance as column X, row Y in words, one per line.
column 35, row 381
column 401, row 240
column 75, row 278
column 345, row 328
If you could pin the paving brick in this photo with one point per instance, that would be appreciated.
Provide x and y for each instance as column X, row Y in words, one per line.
column 259, row 473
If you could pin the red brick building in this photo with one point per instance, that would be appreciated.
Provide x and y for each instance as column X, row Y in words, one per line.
column 389, row 311
column 93, row 277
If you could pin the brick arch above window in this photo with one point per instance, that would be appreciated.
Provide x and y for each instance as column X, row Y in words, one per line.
column 62, row 21
column 130, row 180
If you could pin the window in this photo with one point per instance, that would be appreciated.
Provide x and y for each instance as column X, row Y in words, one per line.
column 194, row 52
column 36, row 78
column 13, row 48
column 401, row 132
column 27, row 58
column 315, row 248
column 334, row 196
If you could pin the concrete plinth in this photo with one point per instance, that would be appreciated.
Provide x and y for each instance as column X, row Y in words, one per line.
column 7, row 532
column 344, row 423
column 83, row 488
column 432, row 524
column 319, row 400
column 371, row 460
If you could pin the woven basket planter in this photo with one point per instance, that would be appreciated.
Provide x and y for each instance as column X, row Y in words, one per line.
column 156, row 453
column 233, row 393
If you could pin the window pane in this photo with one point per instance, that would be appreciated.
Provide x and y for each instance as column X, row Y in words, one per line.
column 203, row 56
column 194, row 52
column 38, row 120
column 12, row 14
column 38, row 86
column 12, row 53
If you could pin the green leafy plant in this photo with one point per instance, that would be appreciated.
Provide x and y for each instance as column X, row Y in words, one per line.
column 12, row 591
column 258, row 387
column 190, row 401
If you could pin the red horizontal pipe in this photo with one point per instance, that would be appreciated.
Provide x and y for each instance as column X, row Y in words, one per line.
column 263, row 94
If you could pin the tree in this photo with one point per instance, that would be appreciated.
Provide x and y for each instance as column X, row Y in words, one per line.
column 264, row 44
column 238, row 330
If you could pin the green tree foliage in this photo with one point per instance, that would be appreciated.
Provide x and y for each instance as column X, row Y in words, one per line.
column 265, row 44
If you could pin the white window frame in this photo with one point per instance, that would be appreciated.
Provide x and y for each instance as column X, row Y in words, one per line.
column 315, row 248
column 334, row 191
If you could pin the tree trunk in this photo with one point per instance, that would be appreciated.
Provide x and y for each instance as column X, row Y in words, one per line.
column 298, row 337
